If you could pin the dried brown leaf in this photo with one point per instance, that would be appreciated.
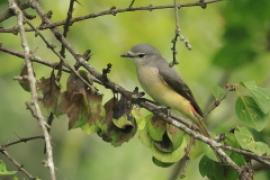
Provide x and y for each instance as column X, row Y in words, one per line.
column 50, row 91
column 23, row 81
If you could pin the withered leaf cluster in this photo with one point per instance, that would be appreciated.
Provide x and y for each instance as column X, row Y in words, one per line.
column 119, row 125
column 82, row 103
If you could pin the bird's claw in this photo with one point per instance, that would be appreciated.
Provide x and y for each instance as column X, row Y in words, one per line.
column 164, row 109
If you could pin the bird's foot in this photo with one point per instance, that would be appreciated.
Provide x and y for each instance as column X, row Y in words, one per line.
column 164, row 109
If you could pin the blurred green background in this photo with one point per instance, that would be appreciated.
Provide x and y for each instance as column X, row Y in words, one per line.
column 228, row 39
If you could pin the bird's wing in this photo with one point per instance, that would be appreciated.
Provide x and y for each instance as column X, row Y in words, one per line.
column 176, row 83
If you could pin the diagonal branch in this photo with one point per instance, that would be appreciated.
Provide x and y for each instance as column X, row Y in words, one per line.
column 66, row 28
column 32, row 57
column 34, row 106
column 21, row 140
column 15, row 163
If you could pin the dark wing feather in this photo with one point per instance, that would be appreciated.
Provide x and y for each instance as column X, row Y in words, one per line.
column 174, row 81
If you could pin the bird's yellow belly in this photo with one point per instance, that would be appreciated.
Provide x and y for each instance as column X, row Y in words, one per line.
column 161, row 92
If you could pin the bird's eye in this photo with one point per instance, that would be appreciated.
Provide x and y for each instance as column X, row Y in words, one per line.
column 141, row 55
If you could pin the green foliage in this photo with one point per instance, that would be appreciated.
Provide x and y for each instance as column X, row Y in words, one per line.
column 249, row 112
column 216, row 171
column 209, row 167
column 166, row 142
column 230, row 139
column 4, row 171
column 240, row 32
column 252, row 105
column 246, row 141
column 260, row 95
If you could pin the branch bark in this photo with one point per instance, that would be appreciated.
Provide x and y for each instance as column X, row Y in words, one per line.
column 34, row 106
column 112, row 11
column 18, row 165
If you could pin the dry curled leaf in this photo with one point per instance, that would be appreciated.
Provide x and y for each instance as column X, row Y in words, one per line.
column 118, row 125
column 50, row 91
column 81, row 104
column 23, row 81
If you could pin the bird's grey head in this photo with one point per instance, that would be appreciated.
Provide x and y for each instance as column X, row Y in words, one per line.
column 142, row 53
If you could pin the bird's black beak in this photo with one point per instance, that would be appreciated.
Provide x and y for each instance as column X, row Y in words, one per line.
column 128, row 55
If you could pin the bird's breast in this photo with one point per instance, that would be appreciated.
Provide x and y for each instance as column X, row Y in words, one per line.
column 160, row 91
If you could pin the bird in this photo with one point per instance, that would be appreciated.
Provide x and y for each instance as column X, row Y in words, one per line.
column 164, row 84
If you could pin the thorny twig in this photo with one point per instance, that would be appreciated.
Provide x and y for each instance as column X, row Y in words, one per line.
column 52, row 48
column 111, row 11
column 20, row 140
column 32, row 81
column 131, row 3
column 13, row 160
column 65, row 31
column 212, row 102
column 17, row 164
column 178, row 35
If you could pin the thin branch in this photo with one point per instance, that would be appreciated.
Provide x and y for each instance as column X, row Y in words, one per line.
column 67, row 24
column 178, row 35
column 21, row 140
column 112, row 11
column 65, row 31
column 36, row 59
column 262, row 159
column 19, row 166
column 131, row 3
column 62, row 59
column 32, row 57
column 32, row 81
column 212, row 102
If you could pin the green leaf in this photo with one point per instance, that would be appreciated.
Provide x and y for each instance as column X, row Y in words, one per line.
column 246, row 141
column 250, row 113
column 175, row 135
column 260, row 95
column 164, row 157
column 240, row 56
column 156, row 128
column 141, row 116
column 232, row 141
column 122, row 122
column 160, row 163
column 216, row 171
column 4, row 171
